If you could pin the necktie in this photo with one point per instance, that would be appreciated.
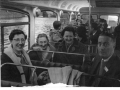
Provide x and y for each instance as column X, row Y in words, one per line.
column 100, row 72
column 101, row 67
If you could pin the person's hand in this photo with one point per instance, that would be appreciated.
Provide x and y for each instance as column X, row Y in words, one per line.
column 45, row 60
column 33, row 78
column 37, row 48
column 44, row 77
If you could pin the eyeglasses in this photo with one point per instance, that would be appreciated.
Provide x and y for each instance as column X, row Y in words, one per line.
column 18, row 40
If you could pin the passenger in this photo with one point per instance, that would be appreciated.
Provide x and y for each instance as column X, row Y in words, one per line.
column 42, row 44
column 69, row 42
column 79, row 17
column 94, row 33
column 81, row 31
column 55, row 35
column 107, row 63
column 17, row 55
column 117, row 34
column 70, row 45
column 103, row 25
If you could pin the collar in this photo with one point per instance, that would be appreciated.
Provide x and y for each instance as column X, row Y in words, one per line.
column 105, row 60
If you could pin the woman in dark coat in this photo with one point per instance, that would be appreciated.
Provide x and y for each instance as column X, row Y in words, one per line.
column 16, row 54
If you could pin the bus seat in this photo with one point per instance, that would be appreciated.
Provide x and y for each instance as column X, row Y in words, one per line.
column 53, row 64
column 92, row 49
column 67, row 58
column 15, row 84
column 35, row 55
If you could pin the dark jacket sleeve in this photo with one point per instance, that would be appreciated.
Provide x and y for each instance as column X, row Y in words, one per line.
column 82, row 49
column 9, row 71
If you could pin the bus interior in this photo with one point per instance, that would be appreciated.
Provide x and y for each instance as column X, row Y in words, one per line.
column 37, row 16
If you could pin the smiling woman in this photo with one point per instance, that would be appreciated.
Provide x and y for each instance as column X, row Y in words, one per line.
column 17, row 55
column 17, row 39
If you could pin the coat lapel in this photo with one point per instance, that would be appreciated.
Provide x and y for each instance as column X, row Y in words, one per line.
column 109, row 64
column 95, row 65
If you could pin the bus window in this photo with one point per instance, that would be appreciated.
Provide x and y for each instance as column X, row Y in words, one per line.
column 64, row 18
column 11, row 19
column 85, row 18
column 44, row 22
column 7, row 16
column 112, row 20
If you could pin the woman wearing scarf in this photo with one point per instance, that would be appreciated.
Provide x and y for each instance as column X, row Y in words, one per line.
column 17, row 55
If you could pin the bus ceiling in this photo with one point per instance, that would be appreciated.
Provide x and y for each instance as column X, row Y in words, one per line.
column 100, row 10
column 105, row 3
column 69, row 5
column 102, row 6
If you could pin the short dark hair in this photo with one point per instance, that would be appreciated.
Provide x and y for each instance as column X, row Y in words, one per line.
column 111, row 35
column 95, row 26
column 16, row 32
column 69, row 29
column 56, row 24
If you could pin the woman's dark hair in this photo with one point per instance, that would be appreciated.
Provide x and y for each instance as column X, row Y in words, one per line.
column 16, row 32
column 69, row 29
column 56, row 24
column 41, row 35
column 105, row 22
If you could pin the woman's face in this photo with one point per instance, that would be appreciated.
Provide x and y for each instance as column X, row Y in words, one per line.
column 43, row 42
column 68, row 37
column 18, row 42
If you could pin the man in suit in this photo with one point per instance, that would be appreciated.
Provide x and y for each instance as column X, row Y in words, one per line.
column 94, row 33
column 106, row 63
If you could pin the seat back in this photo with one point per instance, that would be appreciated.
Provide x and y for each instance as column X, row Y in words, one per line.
column 37, row 55
column 69, row 58
column 15, row 84
column 92, row 49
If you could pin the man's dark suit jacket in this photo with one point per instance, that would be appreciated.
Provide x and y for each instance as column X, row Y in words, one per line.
column 112, row 70
column 94, row 37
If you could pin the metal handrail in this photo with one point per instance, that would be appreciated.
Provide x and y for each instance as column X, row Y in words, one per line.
column 10, row 83
column 61, row 53
column 33, row 72
column 58, row 52
column 35, row 67
column 22, row 65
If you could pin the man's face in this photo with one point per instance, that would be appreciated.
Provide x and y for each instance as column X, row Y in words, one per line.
column 18, row 42
column 43, row 42
column 102, row 25
column 68, row 37
column 79, row 17
column 105, row 46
